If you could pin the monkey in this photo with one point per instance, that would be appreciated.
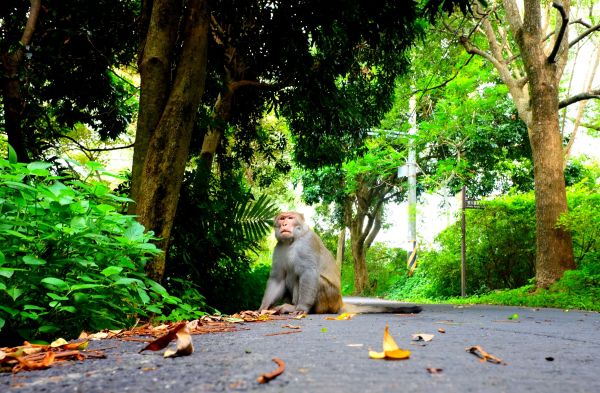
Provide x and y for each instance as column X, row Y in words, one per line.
column 304, row 273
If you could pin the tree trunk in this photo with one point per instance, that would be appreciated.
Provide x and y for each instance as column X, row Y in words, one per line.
column 10, row 88
column 554, row 248
column 168, row 148
column 341, row 245
column 154, row 63
column 361, row 275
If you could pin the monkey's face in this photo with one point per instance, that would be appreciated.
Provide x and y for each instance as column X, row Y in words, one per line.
column 287, row 225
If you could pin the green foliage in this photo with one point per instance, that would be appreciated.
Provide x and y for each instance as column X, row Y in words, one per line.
column 500, row 256
column 215, row 227
column 67, row 73
column 68, row 260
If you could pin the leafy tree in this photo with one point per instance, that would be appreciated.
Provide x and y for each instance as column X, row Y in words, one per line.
column 315, row 54
column 473, row 136
column 57, row 70
column 530, row 57
column 360, row 188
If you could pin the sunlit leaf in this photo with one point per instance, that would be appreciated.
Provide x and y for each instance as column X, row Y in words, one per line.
column 58, row 342
column 390, row 348
column 185, row 346
column 164, row 340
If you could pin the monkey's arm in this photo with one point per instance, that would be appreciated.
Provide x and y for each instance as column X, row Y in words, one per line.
column 274, row 292
column 309, row 286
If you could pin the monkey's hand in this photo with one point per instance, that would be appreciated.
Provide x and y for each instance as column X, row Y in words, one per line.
column 285, row 309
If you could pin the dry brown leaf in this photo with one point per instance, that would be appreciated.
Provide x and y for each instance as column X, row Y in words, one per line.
column 483, row 355
column 291, row 326
column 264, row 378
column 422, row 337
column 434, row 370
column 441, row 330
column 35, row 364
column 185, row 347
column 390, row 348
column 163, row 341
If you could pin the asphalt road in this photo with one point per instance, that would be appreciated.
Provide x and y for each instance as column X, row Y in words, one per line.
column 545, row 350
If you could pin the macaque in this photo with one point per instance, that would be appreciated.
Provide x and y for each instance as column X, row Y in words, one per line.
column 305, row 275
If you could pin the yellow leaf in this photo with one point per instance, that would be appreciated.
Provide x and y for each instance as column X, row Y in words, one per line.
column 389, row 344
column 390, row 348
column 398, row 354
column 376, row 355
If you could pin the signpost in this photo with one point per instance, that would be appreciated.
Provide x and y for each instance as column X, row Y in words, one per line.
column 465, row 204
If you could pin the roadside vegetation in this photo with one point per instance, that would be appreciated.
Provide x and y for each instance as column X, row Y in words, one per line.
column 223, row 113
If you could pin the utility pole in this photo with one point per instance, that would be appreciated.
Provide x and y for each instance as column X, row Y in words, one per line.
column 463, row 243
column 411, row 169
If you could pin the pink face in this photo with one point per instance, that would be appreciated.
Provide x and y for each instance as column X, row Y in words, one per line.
column 286, row 222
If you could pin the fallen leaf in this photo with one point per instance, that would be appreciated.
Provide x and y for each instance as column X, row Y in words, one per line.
column 291, row 326
column 514, row 316
column 342, row 317
column 282, row 333
column 483, row 355
column 234, row 320
column 422, row 337
column 58, row 343
column 264, row 378
column 163, row 341
column 324, row 330
column 98, row 336
column 34, row 364
column 185, row 347
column 434, row 370
column 441, row 330
column 300, row 316
column 390, row 348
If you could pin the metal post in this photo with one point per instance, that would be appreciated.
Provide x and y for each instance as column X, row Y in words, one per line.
column 411, row 167
column 463, row 244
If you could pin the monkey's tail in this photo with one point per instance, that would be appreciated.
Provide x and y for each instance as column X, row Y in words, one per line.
column 372, row 306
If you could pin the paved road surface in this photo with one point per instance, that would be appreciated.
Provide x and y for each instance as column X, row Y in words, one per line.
column 325, row 356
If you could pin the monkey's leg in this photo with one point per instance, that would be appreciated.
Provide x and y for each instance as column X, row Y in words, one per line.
column 309, row 286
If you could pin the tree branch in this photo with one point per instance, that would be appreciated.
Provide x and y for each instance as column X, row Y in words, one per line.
column 584, row 34
column 563, row 27
column 592, row 94
column 98, row 149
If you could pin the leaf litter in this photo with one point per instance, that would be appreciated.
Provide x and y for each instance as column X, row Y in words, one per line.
column 30, row 356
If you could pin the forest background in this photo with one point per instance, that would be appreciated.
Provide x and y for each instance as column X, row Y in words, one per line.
column 236, row 110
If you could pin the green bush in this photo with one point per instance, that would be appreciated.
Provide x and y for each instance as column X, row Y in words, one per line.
column 501, row 252
column 68, row 259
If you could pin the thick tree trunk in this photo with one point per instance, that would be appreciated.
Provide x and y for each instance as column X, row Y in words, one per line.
column 554, row 250
column 361, row 275
column 156, row 58
column 168, row 148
